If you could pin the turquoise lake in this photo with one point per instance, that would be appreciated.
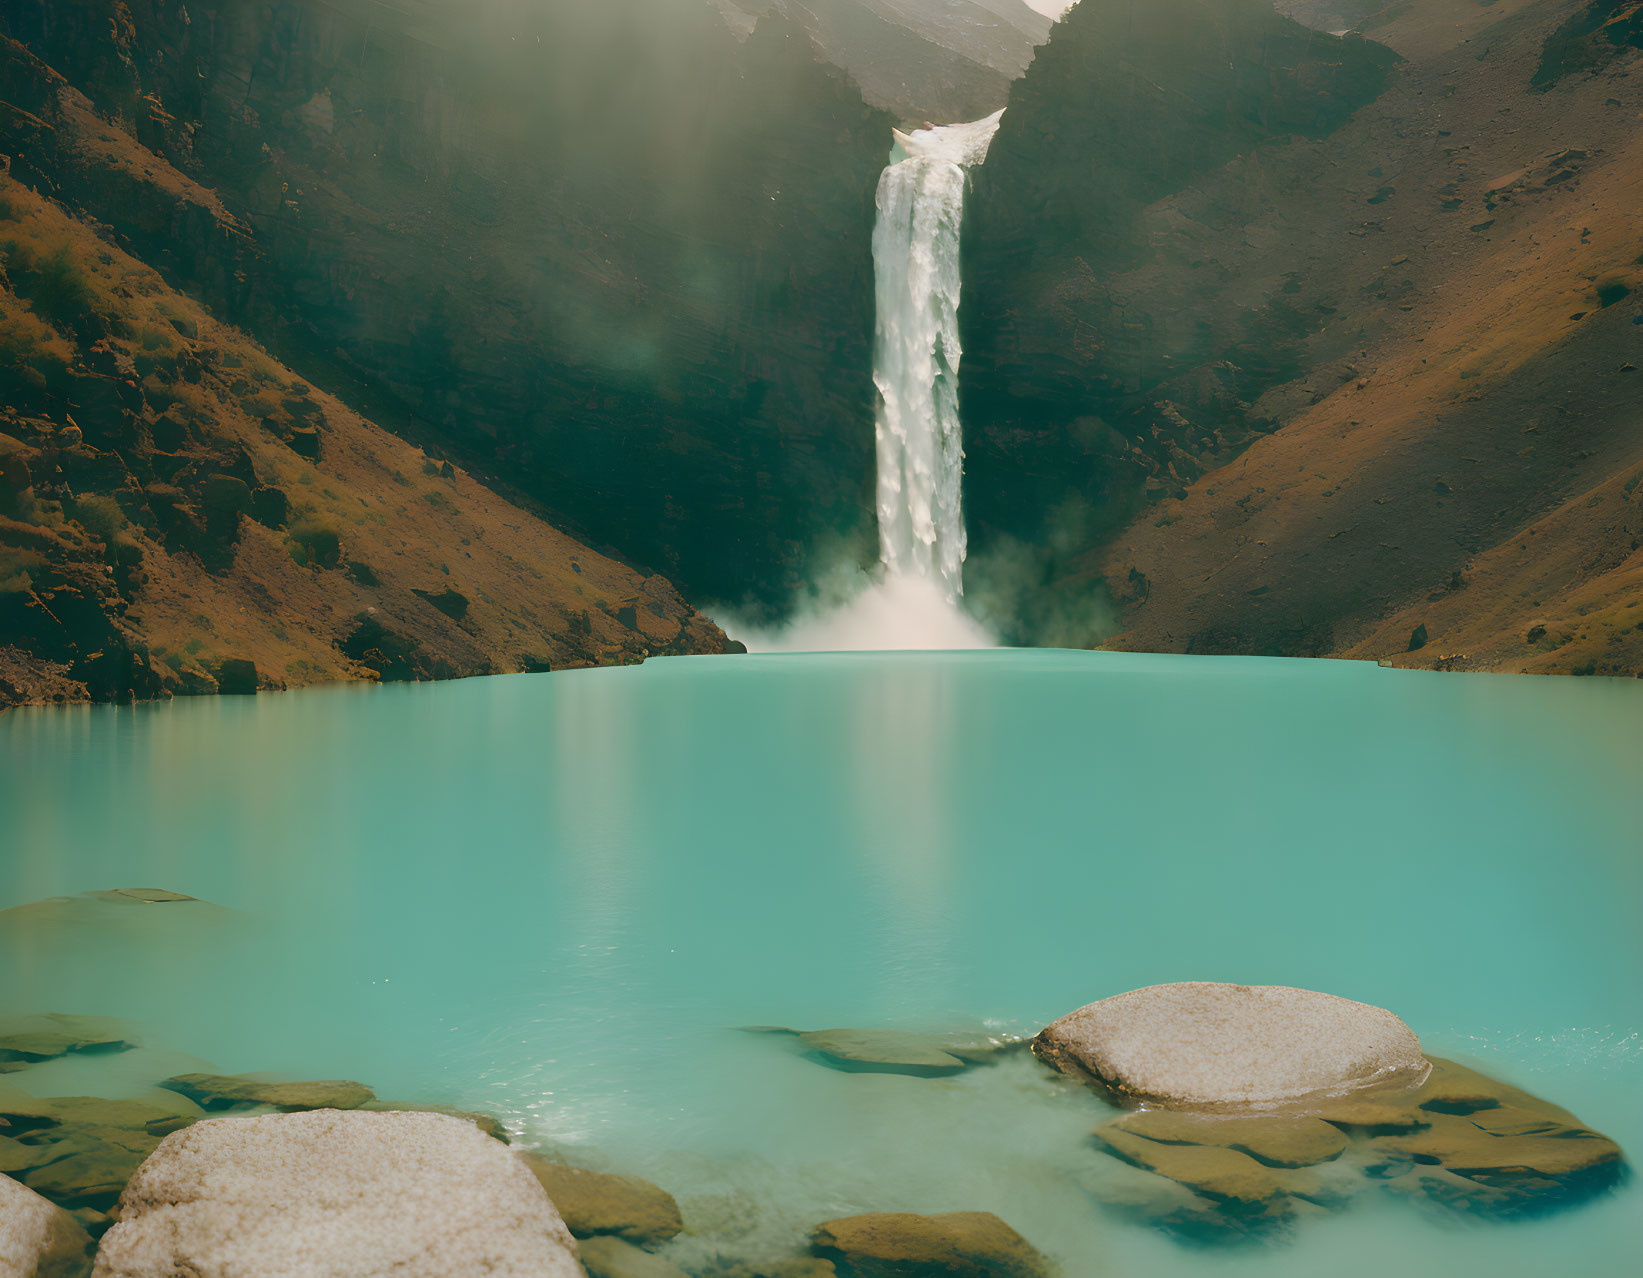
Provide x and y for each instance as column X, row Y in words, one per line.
column 556, row 897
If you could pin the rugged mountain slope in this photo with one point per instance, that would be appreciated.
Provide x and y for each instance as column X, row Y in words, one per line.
column 920, row 59
column 605, row 252
column 1361, row 392
column 1084, row 309
column 180, row 513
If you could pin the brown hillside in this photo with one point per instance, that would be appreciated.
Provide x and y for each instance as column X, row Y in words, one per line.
column 179, row 512
column 1461, row 489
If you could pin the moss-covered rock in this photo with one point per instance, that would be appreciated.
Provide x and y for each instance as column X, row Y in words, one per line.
column 972, row 1244
column 216, row 1093
column 596, row 1203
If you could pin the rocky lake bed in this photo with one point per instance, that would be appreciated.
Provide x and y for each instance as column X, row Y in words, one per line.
column 220, row 1175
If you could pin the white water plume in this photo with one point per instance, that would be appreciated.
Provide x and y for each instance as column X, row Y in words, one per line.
column 917, row 352
column 913, row 600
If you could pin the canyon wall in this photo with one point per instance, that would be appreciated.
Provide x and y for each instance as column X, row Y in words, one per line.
column 1284, row 344
column 607, row 255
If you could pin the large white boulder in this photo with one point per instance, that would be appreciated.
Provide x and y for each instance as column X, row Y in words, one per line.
column 1199, row 1043
column 334, row 1194
column 39, row 1239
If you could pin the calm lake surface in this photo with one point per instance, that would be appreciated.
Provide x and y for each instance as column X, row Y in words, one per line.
column 555, row 897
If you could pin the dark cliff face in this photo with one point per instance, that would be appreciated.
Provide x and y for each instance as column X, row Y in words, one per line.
column 605, row 253
column 1591, row 39
column 1106, row 360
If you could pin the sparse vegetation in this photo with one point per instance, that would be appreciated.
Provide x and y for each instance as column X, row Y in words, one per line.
column 314, row 540
column 99, row 515
column 30, row 349
column 55, row 283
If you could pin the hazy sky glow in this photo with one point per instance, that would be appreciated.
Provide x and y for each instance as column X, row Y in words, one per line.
column 1055, row 8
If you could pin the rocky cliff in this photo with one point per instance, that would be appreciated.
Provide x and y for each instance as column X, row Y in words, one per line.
column 604, row 254
column 180, row 513
column 1106, row 350
column 1330, row 351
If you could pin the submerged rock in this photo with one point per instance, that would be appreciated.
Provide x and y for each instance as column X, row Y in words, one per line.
column 594, row 1203
column 607, row 1257
column 1458, row 1141
column 80, row 1151
column 1273, row 1141
column 143, row 896
column 1200, row 1043
column 217, row 1092
column 342, row 1194
column 969, row 1244
column 1483, row 1147
column 1225, row 1175
column 26, row 1040
column 892, row 1051
column 38, row 1240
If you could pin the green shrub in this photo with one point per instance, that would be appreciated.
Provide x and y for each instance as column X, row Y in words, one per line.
column 314, row 540
column 57, row 287
column 100, row 516
column 30, row 348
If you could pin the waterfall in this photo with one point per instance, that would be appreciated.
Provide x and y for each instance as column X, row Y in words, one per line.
column 917, row 352
column 914, row 601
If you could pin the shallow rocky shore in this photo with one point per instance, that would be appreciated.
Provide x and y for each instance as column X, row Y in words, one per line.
column 1233, row 1113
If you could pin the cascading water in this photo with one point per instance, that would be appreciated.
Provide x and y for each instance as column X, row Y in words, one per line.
column 913, row 603
column 916, row 353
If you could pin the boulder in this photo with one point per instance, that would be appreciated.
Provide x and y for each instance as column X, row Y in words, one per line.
column 806, row 1267
column 1200, row 1043
column 216, row 1093
column 969, row 1244
column 594, row 1203
column 607, row 1257
column 38, row 1240
column 336, row 1195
